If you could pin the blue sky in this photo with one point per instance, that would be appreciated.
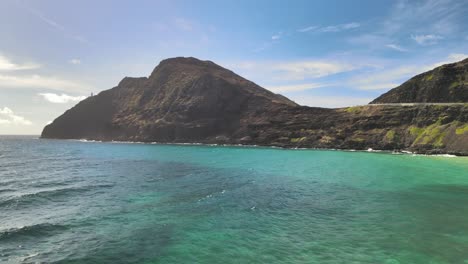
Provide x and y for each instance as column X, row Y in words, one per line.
column 330, row 53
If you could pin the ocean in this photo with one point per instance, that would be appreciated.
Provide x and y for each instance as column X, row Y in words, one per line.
column 65, row 201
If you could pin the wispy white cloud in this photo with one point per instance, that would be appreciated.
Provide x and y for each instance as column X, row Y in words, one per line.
column 277, row 36
column 75, row 61
column 307, row 29
column 328, row 101
column 46, row 20
column 283, row 72
column 268, row 44
column 61, row 98
column 295, row 87
column 415, row 18
column 42, row 82
column 184, row 33
column 183, row 24
column 325, row 29
column 162, row 27
column 426, row 39
column 364, row 73
column 8, row 65
column 451, row 58
column 8, row 117
column 263, row 47
column 301, row 70
column 438, row 16
column 79, row 38
column 332, row 28
column 396, row 47
column 382, row 79
column 338, row 28
column 292, row 70
column 55, row 25
column 4, row 122
column 387, row 78
column 370, row 40
column 180, row 24
column 456, row 57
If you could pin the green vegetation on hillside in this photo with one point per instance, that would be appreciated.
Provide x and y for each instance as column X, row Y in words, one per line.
column 354, row 109
column 434, row 134
column 390, row 136
column 429, row 77
column 297, row 140
column 454, row 84
column 462, row 130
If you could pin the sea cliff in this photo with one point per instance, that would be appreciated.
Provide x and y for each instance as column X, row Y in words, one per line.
column 186, row 100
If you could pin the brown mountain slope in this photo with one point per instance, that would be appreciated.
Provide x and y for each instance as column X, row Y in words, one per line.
column 182, row 99
column 188, row 100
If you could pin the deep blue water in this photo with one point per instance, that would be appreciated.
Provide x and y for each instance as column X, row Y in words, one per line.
column 83, row 202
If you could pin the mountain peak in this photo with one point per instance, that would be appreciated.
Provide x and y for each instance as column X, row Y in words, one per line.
column 184, row 98
column 180, row 63
column 190, row 100
column 188, row 65
column 188, row 60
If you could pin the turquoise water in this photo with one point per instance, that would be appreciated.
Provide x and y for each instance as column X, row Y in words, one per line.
column 83, row 202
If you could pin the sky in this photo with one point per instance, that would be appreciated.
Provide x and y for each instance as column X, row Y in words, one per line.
column 331, row 53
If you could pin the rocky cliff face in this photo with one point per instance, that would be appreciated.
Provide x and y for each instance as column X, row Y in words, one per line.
column 430, row 129
column 445, row 84
column 188, row 100
column 184, row 99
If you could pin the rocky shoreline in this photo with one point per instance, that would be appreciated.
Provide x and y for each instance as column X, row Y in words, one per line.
column 188, row 100
column 369, row 150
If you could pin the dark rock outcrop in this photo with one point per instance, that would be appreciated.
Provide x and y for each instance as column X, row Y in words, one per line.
column 445, row 84
column 184, row 99
column 188, row 100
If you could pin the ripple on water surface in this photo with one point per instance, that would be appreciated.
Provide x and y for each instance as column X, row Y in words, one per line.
column 75, row 202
